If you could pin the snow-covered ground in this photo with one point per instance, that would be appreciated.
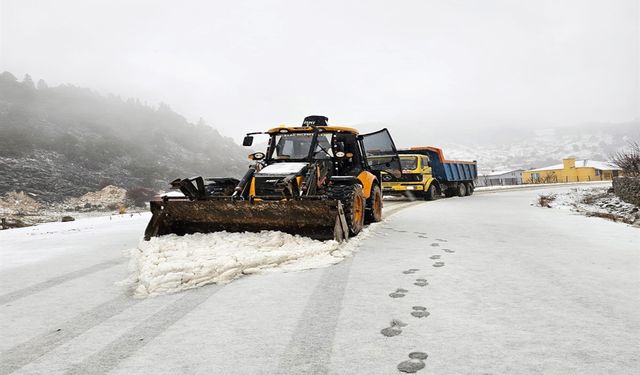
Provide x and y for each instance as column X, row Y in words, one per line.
column 595, row 201
column 482, row 284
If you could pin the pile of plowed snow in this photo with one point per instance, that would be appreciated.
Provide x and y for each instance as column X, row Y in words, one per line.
column 173, row 263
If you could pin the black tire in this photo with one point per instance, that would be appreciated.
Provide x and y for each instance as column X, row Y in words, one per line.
column 469, row 187
column 461, row 190
column 449, row 192
column 353, row 203
column 373, row 213
column 431, row 193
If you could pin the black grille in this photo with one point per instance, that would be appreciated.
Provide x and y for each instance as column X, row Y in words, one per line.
column 270, row 186
column 406, row 177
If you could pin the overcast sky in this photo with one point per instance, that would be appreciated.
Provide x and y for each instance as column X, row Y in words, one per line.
column 414, row 66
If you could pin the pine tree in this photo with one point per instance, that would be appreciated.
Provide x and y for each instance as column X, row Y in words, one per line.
column 8, row 77
column 27, row 81
column 42, row 85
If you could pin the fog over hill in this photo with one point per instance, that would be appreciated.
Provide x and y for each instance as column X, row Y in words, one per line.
column 63, row 141
column 504, row 149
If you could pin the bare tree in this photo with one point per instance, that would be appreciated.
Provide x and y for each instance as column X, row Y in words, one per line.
column 628, row 159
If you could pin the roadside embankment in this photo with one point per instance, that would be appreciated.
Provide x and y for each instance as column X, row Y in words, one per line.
column 627, row 189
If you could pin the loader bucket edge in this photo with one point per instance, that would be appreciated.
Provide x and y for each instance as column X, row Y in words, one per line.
column 317, row 219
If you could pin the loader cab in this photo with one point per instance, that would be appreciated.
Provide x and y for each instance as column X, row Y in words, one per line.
column 337, row 148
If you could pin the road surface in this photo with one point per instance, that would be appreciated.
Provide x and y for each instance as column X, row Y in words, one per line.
column 487, row 284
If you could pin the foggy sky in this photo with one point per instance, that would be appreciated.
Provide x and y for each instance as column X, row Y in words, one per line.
column 414, row 66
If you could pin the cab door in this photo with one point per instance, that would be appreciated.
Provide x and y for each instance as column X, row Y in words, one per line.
column 380, row 152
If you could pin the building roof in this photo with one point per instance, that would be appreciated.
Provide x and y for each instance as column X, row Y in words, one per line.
column 487, row 173
column 585, row 163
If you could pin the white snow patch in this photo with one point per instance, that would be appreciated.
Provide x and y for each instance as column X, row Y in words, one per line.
column 596, row 201
column 172, row 263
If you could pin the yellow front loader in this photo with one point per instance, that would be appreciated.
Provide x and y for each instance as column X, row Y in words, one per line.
column 314, row 180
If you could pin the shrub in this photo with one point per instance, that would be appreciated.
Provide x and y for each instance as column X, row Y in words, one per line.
column 544, row 200
column 140, row 195
column 628, row 159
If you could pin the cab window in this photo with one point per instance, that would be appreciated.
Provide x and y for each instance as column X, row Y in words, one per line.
column 409, row 163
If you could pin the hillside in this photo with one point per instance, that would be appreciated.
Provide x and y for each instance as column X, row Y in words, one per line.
column 63, row 141
column 527, row 149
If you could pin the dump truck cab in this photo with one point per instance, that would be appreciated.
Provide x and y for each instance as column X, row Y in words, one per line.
column 316, row 180
column 416, row 177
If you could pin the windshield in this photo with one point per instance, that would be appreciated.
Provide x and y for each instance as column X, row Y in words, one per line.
column 297, row 146
column 409, row 163
column 292, row 146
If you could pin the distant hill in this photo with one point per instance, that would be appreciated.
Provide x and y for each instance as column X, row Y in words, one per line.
column 534, row 148
column 63, row 141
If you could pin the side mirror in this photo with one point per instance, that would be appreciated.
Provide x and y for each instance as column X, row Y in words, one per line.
column 248, row 140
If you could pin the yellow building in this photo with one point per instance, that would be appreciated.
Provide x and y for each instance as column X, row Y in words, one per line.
column 571, row 171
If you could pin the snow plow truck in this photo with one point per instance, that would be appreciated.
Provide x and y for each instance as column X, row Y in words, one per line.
column 314, row 180
column 427, row 174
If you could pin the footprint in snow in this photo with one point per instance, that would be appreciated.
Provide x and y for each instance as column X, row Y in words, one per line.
column 421, row 233
column 448, row 251
column 435, row 244
column 410, row 271
column 434, row 257
column 420, row 312
column 399, row 293
column 421, row 236
column 421, row 282
column 438, row 264
column 441, row 240
column 414, row 364
column 394, row 329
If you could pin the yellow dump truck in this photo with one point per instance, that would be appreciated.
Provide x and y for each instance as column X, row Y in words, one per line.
column 427, row 174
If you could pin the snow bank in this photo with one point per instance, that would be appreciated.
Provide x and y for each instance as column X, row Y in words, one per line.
column 172, row 263
column 596, row 202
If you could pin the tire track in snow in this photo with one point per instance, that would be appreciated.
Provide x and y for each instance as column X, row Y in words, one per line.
column 39, row 287
column 310, row 347
column 27, row 352
column 126, row 345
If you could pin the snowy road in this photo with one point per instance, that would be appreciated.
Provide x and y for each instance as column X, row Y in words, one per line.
column 505, row 288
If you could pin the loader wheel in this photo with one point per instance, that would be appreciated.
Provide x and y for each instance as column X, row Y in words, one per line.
column 353, row 203
column 373, row 213
column 431, row 193
column 462, row 190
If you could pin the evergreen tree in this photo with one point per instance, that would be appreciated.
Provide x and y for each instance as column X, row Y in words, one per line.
column 42, row 85
column 6, row 76
column 28, row 81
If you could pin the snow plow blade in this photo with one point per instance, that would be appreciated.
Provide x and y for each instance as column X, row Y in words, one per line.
column 314, row 218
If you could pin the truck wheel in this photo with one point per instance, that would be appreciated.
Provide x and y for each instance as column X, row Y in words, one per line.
column 431, row 193
column 450, row 192
column 374, row 206
column 353, row 203
column 462, row 190
column 469, row 187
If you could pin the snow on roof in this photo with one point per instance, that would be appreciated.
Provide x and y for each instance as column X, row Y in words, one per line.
column 585, row 163
column 500, row 173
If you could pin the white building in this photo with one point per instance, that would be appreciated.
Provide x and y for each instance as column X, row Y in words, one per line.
column 500, row 178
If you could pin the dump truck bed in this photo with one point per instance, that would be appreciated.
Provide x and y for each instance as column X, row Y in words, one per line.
column 445, row 170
